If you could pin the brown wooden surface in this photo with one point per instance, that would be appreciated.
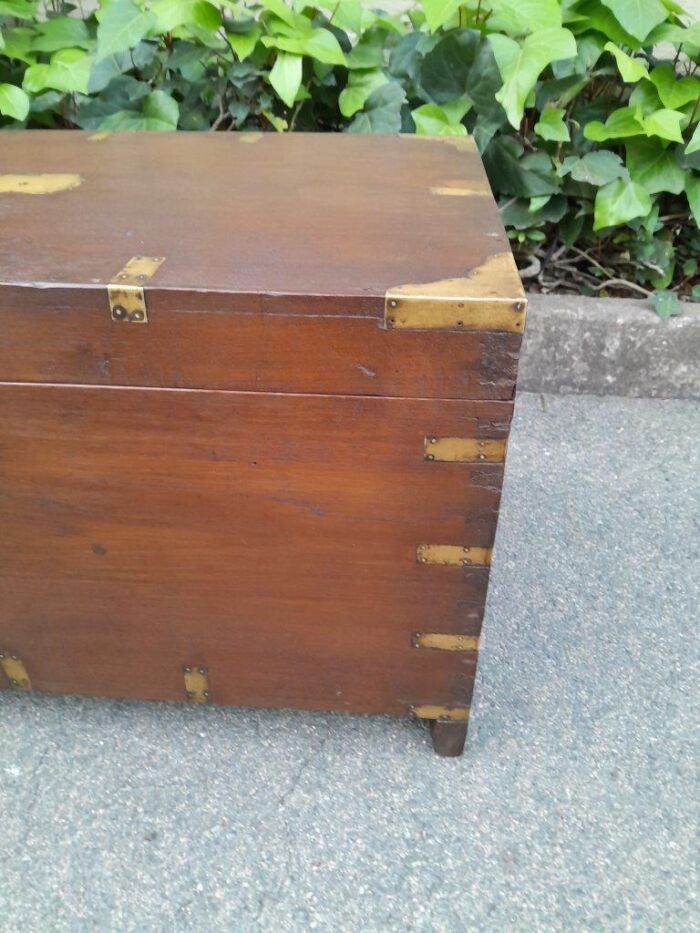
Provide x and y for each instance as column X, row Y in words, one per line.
column 322, row 223
column 74, row 340
column 270, row 537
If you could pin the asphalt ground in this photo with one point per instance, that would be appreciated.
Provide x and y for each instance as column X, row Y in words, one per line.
column 574, row 807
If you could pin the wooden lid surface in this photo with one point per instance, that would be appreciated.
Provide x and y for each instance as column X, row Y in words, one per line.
column 333, row 223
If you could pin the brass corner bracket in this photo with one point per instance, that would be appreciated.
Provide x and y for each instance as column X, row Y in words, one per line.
column 441, row 713
column 15, row 671
column 127, row 301
column 489, row 298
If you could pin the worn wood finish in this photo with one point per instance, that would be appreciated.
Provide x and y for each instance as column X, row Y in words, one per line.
column 279, row 485
column 72, row 339
column 321, row 222
column 270, row 537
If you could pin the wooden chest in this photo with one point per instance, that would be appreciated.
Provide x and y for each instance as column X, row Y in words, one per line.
column 255, row 393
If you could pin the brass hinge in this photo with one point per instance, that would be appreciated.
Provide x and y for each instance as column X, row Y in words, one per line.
column 127, row 301
column 453, row 554
column 15, row 671
column 197, row 683
column 442, row 713
column 444, row 642
column 464, row 449
column 490, row 298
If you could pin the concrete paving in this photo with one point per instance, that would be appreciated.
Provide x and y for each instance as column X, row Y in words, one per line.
column 571, row 810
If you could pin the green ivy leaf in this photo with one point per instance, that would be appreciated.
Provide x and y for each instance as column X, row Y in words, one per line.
column 18, row 44
column 170, row 14
column 512, row 174
column 368, row 53
column 122, row 25
column 162, row 107
column 666, row 303
column 61, row 33
column 68, row 70
column 618, row 202
column 14, row 102
column 551, row 125
column 694, row 143
column 638, row 17
column 598, row 168
column 324, row 47
column 674, row 90
column 590, row 14
column 518, row 17
column 347, row 15
column 285, row 77
column 244, row 43
column 664, row 123
column 692, row 192
column 382, row 113
column 18, row 9
column 437, row 12
column 654, row 166
column 631, row 69
column 520, row 66
column 359, row 87
column 620, row 123
column 433, row 120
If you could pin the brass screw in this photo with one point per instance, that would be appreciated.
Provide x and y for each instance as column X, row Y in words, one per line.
column 433, row 440
column 482, row 457
column 202, row 670
column 119, row 313
column 429, row 457
column 137, row 316
column 460, row 323
column 206, row 694
column 14, row 657
column 393, row 304
column 186, row 669
column 14, row 683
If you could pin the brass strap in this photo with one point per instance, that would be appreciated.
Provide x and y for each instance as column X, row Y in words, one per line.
column 127, row 301
column 453, row 554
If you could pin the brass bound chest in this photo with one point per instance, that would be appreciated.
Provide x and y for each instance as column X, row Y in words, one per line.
column 255, row 395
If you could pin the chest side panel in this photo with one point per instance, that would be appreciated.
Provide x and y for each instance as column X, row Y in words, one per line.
column 302, row 548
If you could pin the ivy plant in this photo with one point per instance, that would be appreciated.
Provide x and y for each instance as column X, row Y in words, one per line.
column 586, row 112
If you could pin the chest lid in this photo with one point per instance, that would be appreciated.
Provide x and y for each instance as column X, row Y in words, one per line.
column 400, row 228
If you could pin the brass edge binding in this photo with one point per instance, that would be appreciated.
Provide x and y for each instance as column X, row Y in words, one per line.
column 489, row 298
column 127, row 301
column 464, row 449
column 444, row 642
column 453, row 555
column 197, row 687
column 15, row 671
column 441, row 713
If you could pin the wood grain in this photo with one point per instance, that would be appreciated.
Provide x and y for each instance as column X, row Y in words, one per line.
column 270, row 537
column 74, row 340
column 333, row 219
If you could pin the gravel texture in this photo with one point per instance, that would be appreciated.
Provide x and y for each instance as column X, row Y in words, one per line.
column 572, row 808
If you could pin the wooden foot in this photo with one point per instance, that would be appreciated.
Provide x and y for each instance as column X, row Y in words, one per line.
column 448, row 738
